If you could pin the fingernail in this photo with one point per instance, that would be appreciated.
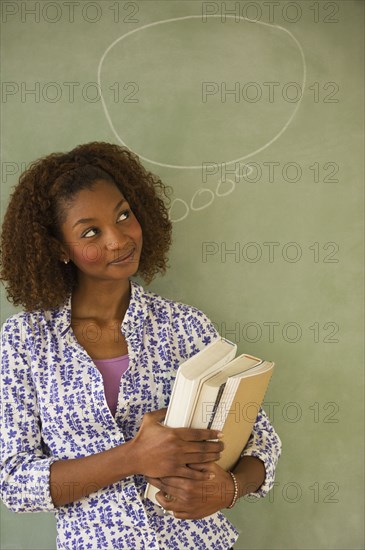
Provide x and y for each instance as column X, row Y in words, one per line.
column 211, row 475
column 220, row 435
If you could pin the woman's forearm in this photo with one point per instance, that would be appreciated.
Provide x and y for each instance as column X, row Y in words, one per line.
column 75, row 478
column 250, row 474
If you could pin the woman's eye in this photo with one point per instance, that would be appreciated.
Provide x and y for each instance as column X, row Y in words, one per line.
column 124, row 215
column 92, row 231
column 89, row 233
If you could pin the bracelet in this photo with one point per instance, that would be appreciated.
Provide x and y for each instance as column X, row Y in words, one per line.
column 235, row 495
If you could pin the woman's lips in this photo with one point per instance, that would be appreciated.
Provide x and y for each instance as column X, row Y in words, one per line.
column 124, row 258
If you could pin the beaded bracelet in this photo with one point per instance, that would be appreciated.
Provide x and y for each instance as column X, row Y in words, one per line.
column 235, row 496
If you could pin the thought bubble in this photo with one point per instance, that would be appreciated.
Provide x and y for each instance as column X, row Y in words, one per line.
column 180, row 92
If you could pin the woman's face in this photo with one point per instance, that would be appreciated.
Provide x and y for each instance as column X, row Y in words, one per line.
column 101, row 235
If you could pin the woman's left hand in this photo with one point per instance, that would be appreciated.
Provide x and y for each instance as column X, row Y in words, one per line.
column 191, row 499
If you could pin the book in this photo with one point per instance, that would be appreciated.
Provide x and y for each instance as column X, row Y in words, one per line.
column 241, row 397
column 214, row 390
column 211, row 391
column 190, row 377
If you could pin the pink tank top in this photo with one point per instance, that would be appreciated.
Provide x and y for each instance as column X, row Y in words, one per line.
column 112, row 370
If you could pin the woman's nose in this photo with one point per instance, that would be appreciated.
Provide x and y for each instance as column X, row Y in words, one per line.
column 115, row 239
column 112, row 245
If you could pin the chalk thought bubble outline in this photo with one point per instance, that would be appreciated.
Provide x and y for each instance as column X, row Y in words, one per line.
column 198, row 167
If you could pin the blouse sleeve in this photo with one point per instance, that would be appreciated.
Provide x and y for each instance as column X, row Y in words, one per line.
column 265, row 444
column 24, row 467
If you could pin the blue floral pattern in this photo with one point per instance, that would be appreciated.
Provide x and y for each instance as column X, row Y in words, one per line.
column 53, row 408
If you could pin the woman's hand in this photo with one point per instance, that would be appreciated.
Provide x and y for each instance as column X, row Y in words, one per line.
column 159, row 451
column 188, row 498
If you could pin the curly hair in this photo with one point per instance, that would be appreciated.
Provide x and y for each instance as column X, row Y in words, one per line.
column 30, row 254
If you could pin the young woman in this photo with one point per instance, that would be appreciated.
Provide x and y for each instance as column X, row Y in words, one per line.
column 87, row 368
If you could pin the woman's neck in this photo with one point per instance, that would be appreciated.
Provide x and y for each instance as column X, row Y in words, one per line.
column 103, row 302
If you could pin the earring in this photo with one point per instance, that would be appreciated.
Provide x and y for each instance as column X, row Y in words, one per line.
column 65, row 261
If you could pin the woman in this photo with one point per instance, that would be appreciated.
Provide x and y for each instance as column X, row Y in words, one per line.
column 88, row 366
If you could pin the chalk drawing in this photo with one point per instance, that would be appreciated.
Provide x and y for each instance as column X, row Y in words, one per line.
column 201, row 190
column 164, row 22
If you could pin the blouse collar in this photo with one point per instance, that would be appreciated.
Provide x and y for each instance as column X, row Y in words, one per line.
column 133, row 318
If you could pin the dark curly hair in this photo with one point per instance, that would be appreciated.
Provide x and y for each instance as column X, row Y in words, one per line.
column 30, row 254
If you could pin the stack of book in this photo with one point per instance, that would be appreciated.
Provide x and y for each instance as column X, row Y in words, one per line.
column 214, row 390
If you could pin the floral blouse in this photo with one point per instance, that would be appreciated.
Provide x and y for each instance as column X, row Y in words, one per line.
column 54, row 408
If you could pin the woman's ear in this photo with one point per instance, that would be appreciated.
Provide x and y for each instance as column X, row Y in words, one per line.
column 62, row 252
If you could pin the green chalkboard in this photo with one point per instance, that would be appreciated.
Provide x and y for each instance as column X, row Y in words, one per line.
column 253, row 113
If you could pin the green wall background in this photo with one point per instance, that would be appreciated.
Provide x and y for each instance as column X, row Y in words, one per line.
column 298, row 186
